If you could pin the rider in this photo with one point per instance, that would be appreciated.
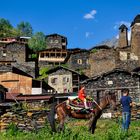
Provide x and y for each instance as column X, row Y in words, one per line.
column 82, row 96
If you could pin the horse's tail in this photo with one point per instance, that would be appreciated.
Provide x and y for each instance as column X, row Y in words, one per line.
column 51, row 117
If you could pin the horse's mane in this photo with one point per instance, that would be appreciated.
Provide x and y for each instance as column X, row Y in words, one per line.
column 60, row 104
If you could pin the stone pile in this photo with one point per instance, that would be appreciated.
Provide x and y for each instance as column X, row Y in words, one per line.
column 135, row 112
column 24, row 120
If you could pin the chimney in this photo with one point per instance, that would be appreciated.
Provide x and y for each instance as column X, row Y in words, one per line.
column 123, row 38
column 135, row 36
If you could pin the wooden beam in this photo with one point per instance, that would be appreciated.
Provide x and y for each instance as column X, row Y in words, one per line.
column 113, row 88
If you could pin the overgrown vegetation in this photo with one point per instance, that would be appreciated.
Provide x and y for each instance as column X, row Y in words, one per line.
column 80, row 71
column 77, row 130
column 93, row 51
column 43, row 72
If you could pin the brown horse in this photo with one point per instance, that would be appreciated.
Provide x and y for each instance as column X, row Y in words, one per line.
column 63, row 110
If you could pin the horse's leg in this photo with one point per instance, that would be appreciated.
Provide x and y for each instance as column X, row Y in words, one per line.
column 61, row 118
column 51, row 117
column 94, row 121
column 93, row 126
column 90, row 121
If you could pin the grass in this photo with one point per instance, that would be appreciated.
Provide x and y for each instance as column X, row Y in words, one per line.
column 77, row 130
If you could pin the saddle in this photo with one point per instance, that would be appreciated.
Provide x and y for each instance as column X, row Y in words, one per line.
column 78, row 105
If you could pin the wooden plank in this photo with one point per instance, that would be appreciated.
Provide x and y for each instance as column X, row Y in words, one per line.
column 113, row 88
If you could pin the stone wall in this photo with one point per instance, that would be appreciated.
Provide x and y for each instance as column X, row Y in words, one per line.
column 61, row 81
column 26, row 120
column 113, row 81
column 56, row 41
column 135, row 112
column 135, row 39
column 79, row 61
column 126, row 60
column 13, row 52
column 103, row 60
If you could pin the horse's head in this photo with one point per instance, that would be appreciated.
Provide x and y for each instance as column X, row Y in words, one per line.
column 111, row 97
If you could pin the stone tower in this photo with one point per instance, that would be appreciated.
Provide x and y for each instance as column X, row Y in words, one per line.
column 135, row 36
column 123, row 38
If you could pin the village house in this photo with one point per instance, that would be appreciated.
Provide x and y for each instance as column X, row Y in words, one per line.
column 113, row 81
column 64, row 80
column 102, row 58
column 15, row 52
column 78, row 60
column 17, row 81
column 55, row 53
column 95, row 61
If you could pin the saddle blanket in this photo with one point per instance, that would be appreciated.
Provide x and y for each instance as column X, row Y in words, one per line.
column 78, row 104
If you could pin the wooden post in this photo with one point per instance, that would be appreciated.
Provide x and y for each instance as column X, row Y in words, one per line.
column 98, row 96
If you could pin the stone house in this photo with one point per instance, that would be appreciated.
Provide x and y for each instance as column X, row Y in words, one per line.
column 16, row 52
column 64, row 80
column 55, row 53
column 102, row 59
column 114, row 81
column 125, row 56
column 78, row 59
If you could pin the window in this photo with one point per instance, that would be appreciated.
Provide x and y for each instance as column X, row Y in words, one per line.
column 4, row 53
column 68, row 79
column 56, row 41
column 128, row 56
column 87, row 61
column 79, row 61
column 47, row 55
column 54, row 80
column 42, row 55
column 63, row 54
column 64, row 80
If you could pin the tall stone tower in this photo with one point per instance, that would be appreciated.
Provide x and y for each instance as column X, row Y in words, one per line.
column 123, row 38
column 135, row 36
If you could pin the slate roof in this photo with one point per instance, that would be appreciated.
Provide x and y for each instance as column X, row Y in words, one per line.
column 118, row 70
column 136, row 20
column 55, row 34
column 123, row 27
column 100, row 47
column 61, row 67
column 7, row 68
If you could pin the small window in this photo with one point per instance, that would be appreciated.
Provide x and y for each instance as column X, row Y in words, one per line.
column 42, row 55
column 128, row 56
column 46, row 55
column 63, row 54
column 68, row 79
column 4, row 53
column 56, row 41
column 79, row 61
column 54, row 80
column 87, row 61
column 64, row 80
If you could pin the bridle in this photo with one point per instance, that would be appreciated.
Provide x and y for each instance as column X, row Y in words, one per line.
column 97, row 105
column 107, row 99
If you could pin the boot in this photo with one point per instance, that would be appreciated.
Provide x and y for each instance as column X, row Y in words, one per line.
column 85, row 104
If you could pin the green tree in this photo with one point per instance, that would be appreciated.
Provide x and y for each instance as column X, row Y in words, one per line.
column 6, row 29
column 37, row 42
column 25, row 29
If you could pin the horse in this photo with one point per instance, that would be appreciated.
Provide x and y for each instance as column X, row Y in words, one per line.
column 62, row 110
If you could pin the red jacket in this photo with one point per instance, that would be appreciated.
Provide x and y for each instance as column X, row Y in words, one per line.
column 81, row 94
